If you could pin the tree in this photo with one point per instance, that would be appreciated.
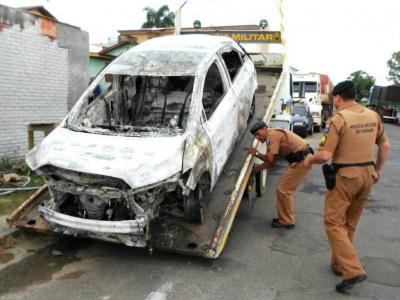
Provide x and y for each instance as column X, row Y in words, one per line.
column 394, row 68
column 363, row 82
column 160, row 18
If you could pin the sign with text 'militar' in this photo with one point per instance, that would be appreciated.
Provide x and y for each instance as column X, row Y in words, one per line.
column 272, row 37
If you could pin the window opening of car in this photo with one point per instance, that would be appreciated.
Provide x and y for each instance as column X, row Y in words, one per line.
column 136, row 105
column 214, row 90
column 233, row 63
column 300, row 110
column 310, row 87
column 296, row 86
column 280, row 124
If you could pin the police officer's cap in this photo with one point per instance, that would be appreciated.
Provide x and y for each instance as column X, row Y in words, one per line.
column 342, row 87
column 256, row 126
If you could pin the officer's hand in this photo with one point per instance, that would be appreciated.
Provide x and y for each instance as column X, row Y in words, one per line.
column 253, row 151
column 378, row 174
column 307, row 161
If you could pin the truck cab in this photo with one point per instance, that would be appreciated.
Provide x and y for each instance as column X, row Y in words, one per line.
column 307, row 90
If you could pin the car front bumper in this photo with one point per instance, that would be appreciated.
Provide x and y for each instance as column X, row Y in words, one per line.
column 129, row 232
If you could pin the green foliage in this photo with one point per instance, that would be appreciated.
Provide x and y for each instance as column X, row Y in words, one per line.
column 363, row 82
column 6, row 164
column 160, row 18
column 394, row 68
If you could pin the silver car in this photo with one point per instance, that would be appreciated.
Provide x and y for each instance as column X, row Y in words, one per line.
column 148, row 139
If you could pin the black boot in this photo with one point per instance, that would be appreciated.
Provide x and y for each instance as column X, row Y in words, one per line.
column 276, row 224
column 336, row 271
column 348, row 284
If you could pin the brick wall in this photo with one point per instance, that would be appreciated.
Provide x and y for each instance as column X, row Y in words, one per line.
column 33, row 85
column 40, row 77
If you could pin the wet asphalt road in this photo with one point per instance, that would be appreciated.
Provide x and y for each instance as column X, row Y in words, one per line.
column 259, row 262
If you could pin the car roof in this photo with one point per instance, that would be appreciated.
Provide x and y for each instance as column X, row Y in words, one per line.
column 187, row 42
column 169, row 55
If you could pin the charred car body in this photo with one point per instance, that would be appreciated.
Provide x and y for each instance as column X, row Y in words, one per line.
column 148, row 139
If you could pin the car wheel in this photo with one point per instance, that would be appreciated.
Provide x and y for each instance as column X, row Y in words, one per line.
column 252, row 109
column 317, row 128
column 311, row 131
column 304, row 135
column 193, row 204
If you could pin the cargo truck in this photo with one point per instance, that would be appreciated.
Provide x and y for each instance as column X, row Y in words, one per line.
column 386, row 101
column 314, row 90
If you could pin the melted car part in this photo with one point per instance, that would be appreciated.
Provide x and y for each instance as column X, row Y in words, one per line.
column 132, row 104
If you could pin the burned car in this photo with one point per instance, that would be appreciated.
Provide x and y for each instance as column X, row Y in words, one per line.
column 148, row 139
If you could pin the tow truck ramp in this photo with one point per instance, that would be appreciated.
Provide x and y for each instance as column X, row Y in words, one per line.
column 175, row 234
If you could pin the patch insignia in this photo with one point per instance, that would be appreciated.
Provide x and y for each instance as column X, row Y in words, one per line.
column 323, row 140
column 268, row 141
column 327, row 126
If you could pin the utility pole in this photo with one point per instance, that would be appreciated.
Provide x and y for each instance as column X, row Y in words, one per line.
column 178, row 20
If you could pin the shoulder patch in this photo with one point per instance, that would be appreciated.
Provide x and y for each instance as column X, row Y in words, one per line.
column 327, row 126
column 268, row 141
column 323, row 140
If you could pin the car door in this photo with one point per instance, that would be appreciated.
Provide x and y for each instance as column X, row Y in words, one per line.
column 219, row 114
column 241, row 74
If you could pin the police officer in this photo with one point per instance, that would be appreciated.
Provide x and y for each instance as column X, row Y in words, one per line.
column 294, row 149
column 349, row 141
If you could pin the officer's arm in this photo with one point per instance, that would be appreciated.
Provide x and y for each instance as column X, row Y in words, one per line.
column 328, row 144
column 383, row 153
column 318, row 158
column 383, row 148
column 269, row 161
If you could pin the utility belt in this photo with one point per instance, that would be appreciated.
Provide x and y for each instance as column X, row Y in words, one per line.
column 295, row 157
column 330, row 170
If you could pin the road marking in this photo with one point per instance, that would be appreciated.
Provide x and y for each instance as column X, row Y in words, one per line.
column 162, row 292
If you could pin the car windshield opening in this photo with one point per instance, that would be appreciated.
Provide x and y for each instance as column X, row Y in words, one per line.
column 280, row 124
column 300, row 110
column 136, row 104
column 310, row 87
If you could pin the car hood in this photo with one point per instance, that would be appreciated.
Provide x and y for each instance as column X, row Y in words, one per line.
column 298, row 118
column 139, row 161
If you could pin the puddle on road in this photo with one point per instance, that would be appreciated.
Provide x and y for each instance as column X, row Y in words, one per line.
column 72, row 275
column 314, row 189
column 305, row 239
column 39, row 267
column 6, row 243
column 382, row 270
column 5, row 257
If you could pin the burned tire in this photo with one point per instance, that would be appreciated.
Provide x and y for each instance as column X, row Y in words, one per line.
column 193, row 206
column 194, row 203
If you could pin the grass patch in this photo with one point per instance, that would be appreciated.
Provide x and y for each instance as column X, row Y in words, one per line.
column 10, row 202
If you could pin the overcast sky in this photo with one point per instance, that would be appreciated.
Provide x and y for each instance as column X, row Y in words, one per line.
column 335, row 37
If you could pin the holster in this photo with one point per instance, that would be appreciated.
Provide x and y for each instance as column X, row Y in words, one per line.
column 295, row 157
column 329, row 172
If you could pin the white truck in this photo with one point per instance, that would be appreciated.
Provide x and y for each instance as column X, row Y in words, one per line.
column 307, row 89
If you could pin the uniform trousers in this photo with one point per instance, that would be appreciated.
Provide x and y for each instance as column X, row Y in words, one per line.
column 343, row 208
column 287, row 185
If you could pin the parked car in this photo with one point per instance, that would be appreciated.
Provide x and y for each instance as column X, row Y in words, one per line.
column 302, row 120
column 153, row 142
column 284, row 121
